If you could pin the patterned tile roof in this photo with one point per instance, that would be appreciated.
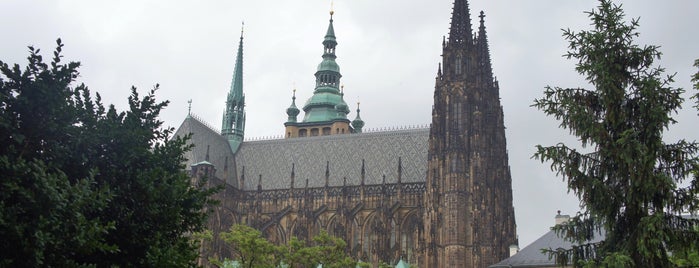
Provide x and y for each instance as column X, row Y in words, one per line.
column 204, row 137
column 342, row 155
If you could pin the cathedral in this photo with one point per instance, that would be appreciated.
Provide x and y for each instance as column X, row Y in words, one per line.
column 438, row 196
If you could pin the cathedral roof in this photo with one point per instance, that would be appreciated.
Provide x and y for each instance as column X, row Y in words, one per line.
column 208, row 141
column 271, row 161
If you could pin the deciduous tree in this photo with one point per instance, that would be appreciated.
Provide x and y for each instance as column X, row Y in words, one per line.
column 84, row 184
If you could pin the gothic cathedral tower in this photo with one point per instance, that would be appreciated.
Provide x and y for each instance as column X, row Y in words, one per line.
column 469, row 217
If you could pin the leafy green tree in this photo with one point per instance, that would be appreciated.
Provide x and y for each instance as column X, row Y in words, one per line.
column 627, row 178
column 325, row 249
column 46, row 216
column 695, row 79
column 250, row 248
column 87, row 185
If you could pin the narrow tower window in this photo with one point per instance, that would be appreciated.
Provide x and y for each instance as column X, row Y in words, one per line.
column 457, row 66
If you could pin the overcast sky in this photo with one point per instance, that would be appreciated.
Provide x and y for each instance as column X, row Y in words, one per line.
column 388, row 53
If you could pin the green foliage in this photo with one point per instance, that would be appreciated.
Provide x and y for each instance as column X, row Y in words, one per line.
column 326, row 250
column 86, row 184
column 695, row 79
column 44, row 218
column 251, row 249
column 627, row 178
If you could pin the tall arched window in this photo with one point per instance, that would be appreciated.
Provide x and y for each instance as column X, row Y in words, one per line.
column 457, row 64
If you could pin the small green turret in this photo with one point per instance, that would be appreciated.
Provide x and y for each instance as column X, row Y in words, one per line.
column 292, row 111
column 358, row 123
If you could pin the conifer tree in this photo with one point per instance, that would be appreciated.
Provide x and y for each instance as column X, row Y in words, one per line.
column 632, row 185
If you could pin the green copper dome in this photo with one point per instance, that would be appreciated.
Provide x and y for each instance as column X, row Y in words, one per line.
column 321, row 107
column 328, row 65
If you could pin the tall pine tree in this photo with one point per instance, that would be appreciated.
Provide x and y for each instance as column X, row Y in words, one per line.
column 631, row 184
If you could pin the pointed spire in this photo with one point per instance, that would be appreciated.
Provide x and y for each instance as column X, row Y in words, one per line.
column 363, row 172
column 293, row 174
column 460, row 30
column 233, row 126
column 328, row 73
column 327, row 173
column 237, row 82
column 330, row 35
column 207, row 153
column 484, row 51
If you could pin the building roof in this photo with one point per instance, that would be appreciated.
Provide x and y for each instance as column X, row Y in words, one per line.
column 341, row 155
column 206, row 140
column 531, row 255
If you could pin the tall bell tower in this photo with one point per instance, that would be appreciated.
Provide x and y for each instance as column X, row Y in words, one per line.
column 469, row 217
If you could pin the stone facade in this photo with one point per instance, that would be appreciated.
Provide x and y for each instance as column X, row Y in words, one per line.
column 436, row 197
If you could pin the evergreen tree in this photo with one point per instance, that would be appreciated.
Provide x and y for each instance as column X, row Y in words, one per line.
column 87, row 185
column 631, row 184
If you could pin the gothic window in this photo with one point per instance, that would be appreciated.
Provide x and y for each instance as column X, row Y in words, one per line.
column 457, row 116
column 326, row 131
column 303, row 132
column 409, row 237
column 455, row 167
column 458, row 64
column 314, row 132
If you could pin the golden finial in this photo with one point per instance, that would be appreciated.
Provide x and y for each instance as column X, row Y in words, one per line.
column 332, row 10
column 294, row 90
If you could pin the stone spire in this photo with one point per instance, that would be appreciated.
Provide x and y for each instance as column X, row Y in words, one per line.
column 483, row 55
column 460, row 30
column 468, row 184
column 233, row 127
